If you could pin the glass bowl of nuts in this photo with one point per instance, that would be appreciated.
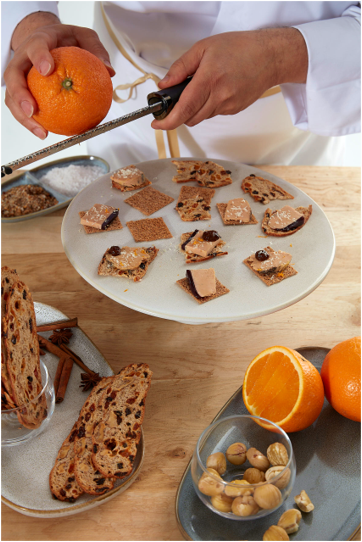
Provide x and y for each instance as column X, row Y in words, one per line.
column 22, row 423
column 242, row 471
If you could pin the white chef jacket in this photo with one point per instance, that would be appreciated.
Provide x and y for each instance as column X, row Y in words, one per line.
column 301, row 125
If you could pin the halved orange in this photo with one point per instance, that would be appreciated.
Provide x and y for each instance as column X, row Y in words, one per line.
column 283, row 387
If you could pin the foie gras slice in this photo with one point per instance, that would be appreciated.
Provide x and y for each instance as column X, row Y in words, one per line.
column 238, row 209
column 202, row 242
column 285, row 219
column 276, row 262
column 129, row 176
column 202, row 281
column 129, row 258
column 99, row 216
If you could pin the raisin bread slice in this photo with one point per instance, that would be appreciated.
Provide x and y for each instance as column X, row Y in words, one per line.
column 8, row 279
column 213, row 175
column 87, row 476
column 62, row 481
column 22, row 356
column 117, row 435
column 187, row 170
column 263, row 190
column 304, row 211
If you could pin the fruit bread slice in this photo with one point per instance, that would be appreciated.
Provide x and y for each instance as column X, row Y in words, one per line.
column 194, row 203
column 186, row 170
column 285, row 221
column 263, row 190
column 117, row 435
column 62, row 481
column 213, row 175
column 8, row 279
column 22, row 356
column 86, row 474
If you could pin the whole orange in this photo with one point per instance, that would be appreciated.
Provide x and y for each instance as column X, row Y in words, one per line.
column 76, row 96
column 283, row 387
column 341, row 375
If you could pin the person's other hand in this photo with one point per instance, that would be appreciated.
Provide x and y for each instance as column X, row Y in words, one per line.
column 31, row 44
column 231, row 71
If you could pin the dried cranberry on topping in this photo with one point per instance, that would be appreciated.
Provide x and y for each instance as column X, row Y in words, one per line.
column 261, row 255
column 114, row 251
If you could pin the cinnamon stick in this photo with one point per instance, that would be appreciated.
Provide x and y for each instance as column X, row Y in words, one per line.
column 64, row 379
column 76, row 358
column 58, row 374
column 61, row 324
column 52, row 348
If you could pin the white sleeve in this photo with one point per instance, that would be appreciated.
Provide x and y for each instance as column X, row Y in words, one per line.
column 329, row 104
column 11, row 15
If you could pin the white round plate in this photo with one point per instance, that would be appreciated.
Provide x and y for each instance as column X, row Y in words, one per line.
column 312, row 248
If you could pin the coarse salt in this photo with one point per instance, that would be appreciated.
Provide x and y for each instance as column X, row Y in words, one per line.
column 71, row 179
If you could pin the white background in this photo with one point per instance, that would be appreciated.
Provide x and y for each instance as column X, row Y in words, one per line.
column 17, row 142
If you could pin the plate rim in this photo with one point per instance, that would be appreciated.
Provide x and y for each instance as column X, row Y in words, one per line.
column 98, row 499
column 210, row 319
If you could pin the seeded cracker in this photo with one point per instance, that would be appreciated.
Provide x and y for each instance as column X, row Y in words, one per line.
column 149, row 200
column 222, row 208
column 220, row 290
column 274, row 278
column 114, row 225
column 149, row 229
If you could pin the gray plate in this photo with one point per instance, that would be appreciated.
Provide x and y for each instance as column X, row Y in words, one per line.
column 32, row 177
column 25, row 468
column 328, row 461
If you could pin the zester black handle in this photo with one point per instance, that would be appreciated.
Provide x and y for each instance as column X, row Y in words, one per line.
column 169, row 96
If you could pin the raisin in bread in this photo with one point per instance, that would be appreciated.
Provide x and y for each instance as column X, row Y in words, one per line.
column 117, row 435
column 87, row 476
column 8, row 279
column 263, row 190
column 22, row 356
column 62, row 481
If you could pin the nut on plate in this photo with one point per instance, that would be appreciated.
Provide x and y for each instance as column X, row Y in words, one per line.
column 222, row 502
column 236, row 453
column 208, row 485
column 283, row 481
column 304, row 502
column 290, row 520
column 254, row 476
column 277, row 454
column 237, row 488
column 275, row 533
column 257, row 459
column 244, row 506
column 267, row 496
column 217, row 461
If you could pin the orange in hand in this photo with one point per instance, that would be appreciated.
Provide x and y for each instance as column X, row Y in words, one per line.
column 76, row 96
column 283, row 387
column 341, row 375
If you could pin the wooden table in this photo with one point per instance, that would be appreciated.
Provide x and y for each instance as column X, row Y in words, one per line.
column 196, row 368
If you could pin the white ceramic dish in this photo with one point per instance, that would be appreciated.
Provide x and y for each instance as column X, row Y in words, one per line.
column 312, row 248
column 25, row 471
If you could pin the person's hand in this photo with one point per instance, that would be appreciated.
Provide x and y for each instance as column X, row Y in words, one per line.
column 33, row 50
column 231, row 71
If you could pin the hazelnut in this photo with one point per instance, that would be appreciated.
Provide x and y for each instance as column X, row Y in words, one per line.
column 236, row 453
column 257, row 459
column 277, row 454
column 237, row 488
column 208, row 485
column 254, row 476
column 217, row 461
column 267, row 496
column 275, row 533
column 304, row 502
column 222, row 502
column 290, row 520
column 283, row 481
column 244, row 506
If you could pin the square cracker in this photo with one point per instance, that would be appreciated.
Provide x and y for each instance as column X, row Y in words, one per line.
column 220, row 290
column 188, row 192
column 275, row 278
column 222, row 208
column 149, row 229
column 149, row 200
column 114, row 225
